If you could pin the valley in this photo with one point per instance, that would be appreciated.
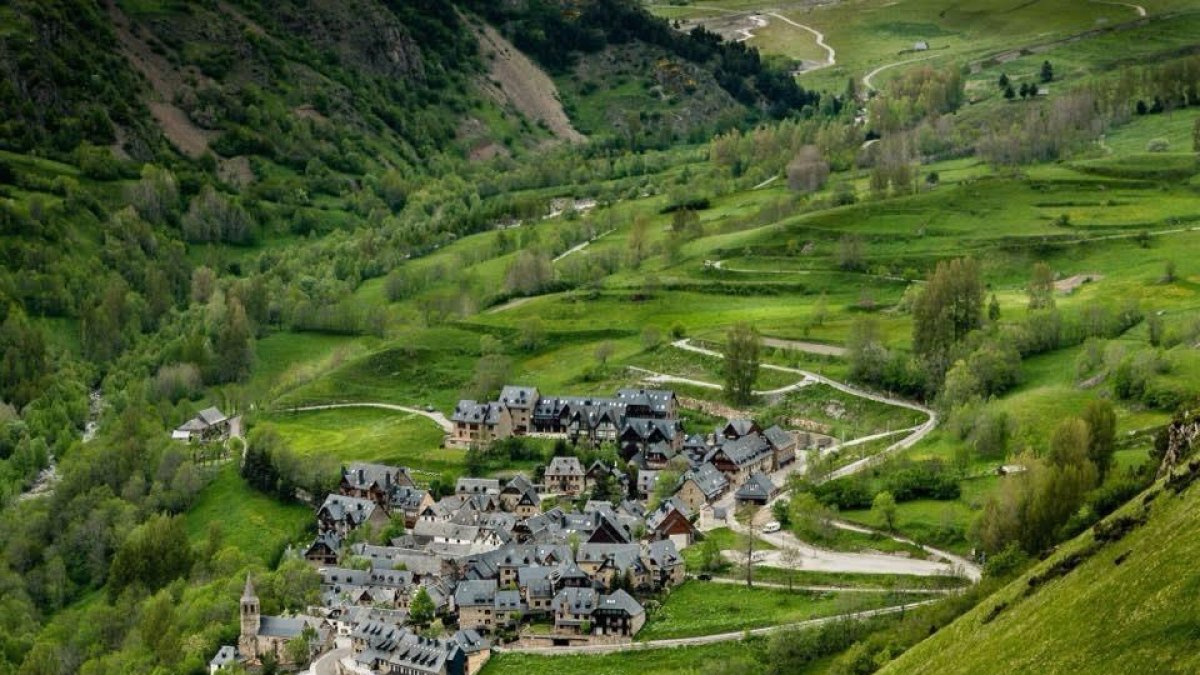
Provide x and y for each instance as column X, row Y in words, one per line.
column 910, row 291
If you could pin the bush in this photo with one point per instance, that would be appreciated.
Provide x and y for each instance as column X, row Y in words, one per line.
column 1158, row 145
column 845, row 493
column 926, row 480
column 177, row 381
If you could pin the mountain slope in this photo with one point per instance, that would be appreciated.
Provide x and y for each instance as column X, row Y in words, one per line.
column 1120, row 598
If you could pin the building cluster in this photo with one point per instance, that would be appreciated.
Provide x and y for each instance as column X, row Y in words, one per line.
column 512, row 559
column 645, row 427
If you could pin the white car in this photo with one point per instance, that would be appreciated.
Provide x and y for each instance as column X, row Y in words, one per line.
column 771, row 527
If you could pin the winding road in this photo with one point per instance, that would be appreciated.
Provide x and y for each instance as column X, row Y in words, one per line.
column 831, row 54
column 814, row 558
column 436, row 416
column 867, row 78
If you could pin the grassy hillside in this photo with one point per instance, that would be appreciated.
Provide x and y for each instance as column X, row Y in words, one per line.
column 1099, row 604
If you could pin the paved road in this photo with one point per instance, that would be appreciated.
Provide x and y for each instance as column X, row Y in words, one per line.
column 709, row 639
column 327, row 663
column 970, row 569
column 436, row 416
column 822, row 560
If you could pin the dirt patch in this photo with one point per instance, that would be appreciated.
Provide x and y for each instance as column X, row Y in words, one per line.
column 513, row 80
column 307, row 112
column 188, row 138
column 236, row 171
column 165, row 83
column 1070, row 284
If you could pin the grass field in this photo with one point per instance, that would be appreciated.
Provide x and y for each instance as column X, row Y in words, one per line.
column 705, row 608
column 256, row 524
column 369, row 435
column 1127, row 606
column 643, row 662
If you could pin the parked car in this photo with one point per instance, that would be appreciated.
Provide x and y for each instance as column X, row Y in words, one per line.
column 772, row 526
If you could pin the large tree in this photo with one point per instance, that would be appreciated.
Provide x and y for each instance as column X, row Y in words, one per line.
column 1041, row 287
column 234, row 344
column 950, row 307
column 742, row 347
column 1102, row 431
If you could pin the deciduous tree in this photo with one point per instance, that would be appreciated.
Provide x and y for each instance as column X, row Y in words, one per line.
column 742, row 347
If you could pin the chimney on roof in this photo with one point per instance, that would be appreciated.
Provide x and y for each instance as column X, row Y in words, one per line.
column 360, row 475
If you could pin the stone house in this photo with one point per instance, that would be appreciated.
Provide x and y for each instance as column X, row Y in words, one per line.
column 478, row 424
column 702, row 485
column 565, row 475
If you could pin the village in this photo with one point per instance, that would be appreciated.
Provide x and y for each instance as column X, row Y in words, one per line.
column 564, row 562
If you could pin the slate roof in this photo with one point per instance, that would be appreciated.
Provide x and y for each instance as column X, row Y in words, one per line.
column 758, row 486
column 663, row 553
column 742, row 451
column 211, row 416
column 353, row 510
column 657, row 400
column 481, row 593
column 564, row 466
column 473, row 486
column 520, row 398
column 778, row 438
column 738, row 428
column 668, row 506
column 473, row 412
column 621, row 602
column 708, row 479
column 575, row 601
column 227, row 655
column 364, row 475
column 279, row 626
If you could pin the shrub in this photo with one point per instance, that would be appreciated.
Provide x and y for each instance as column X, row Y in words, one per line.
column 1158, row 145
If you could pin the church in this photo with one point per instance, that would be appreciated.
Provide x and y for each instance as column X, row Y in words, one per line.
column 262, row 635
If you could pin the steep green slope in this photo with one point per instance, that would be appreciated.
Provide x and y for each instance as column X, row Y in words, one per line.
column 1120, row 598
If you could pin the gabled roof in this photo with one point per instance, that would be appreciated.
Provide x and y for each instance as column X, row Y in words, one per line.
column 737, row 428
column 663, row 553
column 472, row 412
column 472, row 486
column 708, row 479
column 664, row 510
column 518, row 397
column 475, row 593
column 564, row 466
column 757, row 486
column 364, row 475
column 211, row 416
column 657, row 400
column 574, row 600
column 227, row 655
column 621, row 602
column 742, row 451
column 352, row 510
column 778, row 438
column 644, row 427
